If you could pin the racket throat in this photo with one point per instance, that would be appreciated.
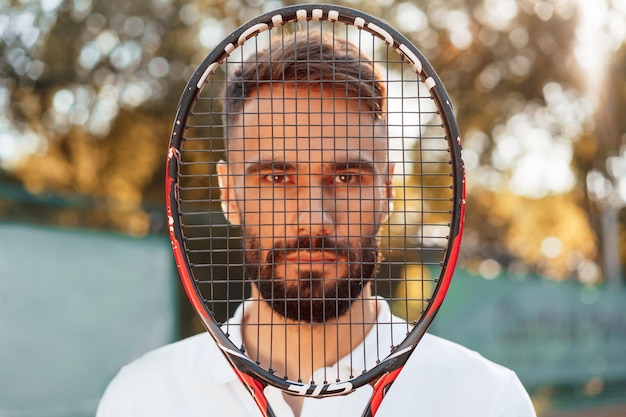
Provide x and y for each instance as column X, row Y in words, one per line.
column 381, row 387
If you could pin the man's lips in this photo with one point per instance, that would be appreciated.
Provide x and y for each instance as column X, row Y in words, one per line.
column 305, row 256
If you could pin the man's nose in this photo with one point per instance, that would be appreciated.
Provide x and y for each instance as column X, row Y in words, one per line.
column 314, row 212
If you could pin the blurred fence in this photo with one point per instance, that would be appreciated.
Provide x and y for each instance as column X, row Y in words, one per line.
column 564, row 338
column 75, row 306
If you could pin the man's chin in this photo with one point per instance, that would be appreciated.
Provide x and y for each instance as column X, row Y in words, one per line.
column 311, row 312
column 311, row 301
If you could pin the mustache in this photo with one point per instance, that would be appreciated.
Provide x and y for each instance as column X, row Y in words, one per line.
column 283, row 249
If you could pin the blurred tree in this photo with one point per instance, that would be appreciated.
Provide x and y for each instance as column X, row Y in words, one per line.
column 526, row 125
column 96, row 84
column 90, row 87
column 603, row 167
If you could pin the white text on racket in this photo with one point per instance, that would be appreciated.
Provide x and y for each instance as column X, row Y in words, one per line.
column 309, row 390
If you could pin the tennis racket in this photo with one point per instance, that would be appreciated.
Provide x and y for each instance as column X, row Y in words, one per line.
column 314, row 171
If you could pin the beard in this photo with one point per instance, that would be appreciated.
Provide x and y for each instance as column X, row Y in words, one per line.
column 312, row 297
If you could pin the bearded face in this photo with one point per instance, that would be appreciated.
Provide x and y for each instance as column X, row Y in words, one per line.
column 310, row 189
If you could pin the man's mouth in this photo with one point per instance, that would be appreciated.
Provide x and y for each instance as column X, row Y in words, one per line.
column 306, row 256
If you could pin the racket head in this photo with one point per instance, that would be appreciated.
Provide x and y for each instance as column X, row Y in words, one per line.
column 419, row 241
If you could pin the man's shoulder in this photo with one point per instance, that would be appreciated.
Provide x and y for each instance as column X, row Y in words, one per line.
column 180, row 360
column 190, row 373
column 450, row 379
column 184, row 349
column 448, row 357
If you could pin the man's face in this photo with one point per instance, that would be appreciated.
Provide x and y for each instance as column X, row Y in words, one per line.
column 308, row 180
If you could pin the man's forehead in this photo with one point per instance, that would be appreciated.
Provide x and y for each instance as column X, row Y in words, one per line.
column 300, row 157
column 305, row 139
column 288, row 123
column 287, row 108
column 328, row 150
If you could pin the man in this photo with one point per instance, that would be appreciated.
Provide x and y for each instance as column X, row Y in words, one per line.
column 308, row 180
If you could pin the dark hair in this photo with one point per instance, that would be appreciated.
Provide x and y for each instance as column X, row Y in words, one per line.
column 307, row 57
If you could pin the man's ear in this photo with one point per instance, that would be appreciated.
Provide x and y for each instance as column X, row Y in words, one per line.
column 390, row 193
column 229, row 205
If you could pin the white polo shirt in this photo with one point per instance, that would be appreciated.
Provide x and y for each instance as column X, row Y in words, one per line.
column 191, row 378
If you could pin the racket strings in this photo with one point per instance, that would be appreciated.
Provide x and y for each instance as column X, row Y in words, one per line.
column 412, row 241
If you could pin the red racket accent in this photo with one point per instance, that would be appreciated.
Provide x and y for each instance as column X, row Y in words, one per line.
column 380, row 389
column 256, row 389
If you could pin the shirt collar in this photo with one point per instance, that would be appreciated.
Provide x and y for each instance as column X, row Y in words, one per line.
column 389, row 331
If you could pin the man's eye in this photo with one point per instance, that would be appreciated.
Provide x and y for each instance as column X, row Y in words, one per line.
column 349, row 179
column 275, row 178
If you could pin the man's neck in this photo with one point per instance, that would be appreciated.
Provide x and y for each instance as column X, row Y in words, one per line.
column 297, row 350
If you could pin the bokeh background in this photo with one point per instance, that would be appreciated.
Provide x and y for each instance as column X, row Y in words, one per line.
column 88, row 92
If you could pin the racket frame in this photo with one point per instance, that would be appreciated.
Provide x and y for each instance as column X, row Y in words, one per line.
column 253, row 376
